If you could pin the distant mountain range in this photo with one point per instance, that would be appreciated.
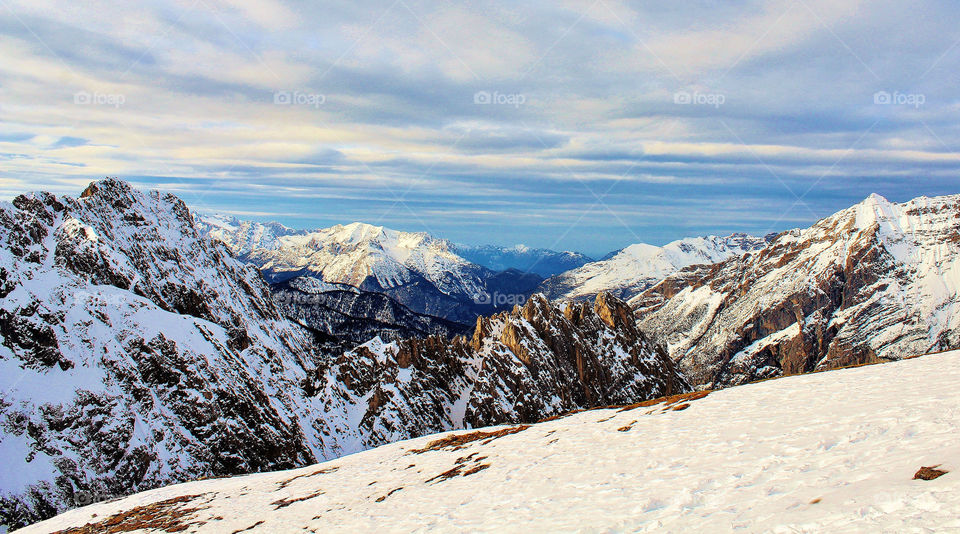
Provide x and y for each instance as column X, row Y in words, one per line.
column 420, row 271
column 457, row 282
column 539, row 261
column 630, row 271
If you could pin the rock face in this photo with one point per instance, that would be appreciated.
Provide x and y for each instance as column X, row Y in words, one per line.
column 878, row 281
column 134, row 353
column 536, row 361
column 420, row 271
column 347, row 316
column 628, row 272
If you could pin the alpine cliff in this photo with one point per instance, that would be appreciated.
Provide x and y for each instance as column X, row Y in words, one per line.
column 536, row 361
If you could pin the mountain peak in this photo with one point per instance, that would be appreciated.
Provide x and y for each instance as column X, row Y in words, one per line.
column 876, row 281
column 108, row 186
column 874, row 198
column 356, row 232
column 363, row 227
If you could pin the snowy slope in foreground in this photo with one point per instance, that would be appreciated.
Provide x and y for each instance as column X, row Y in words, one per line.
column 832, row 451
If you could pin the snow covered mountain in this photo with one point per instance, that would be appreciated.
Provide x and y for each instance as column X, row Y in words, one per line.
column 422, row 272
column 741, row 459
column 540, row 261
column 241, row 236
column 135, row 353
column 877, row 281
column 357, row 254
column 628, row 272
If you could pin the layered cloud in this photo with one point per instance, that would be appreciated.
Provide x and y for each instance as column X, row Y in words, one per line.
column 583, row 125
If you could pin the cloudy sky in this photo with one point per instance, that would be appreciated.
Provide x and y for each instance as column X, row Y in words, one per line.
column 584, row 125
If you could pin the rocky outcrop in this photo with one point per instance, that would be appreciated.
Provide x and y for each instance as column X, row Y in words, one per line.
column 538, row 360
column 878, row 281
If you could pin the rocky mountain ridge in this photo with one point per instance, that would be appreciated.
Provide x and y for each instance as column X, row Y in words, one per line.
column 877, row 281
column 135, row 353
column 535, row 361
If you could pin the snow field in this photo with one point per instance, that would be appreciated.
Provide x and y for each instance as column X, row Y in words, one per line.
column 833, row 451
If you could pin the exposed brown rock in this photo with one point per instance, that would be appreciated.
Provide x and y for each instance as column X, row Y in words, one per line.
column 171, row 515
column 323, row 471
column 283, row 503
column 459, row 441
column 929, row 473
column 391, row 492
